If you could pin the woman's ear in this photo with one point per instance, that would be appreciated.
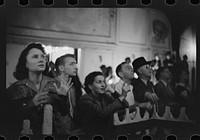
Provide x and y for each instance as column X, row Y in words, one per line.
column 90, row 87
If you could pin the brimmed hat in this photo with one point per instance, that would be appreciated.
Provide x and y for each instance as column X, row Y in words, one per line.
column 139, row 62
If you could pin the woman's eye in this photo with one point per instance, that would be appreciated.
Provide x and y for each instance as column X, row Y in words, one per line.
column 35, row 56
column 42, row 56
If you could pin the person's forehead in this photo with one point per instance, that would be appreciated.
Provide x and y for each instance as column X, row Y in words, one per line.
column 99, row 77
column 35, row 51
column 144, row 66
column 69, row 60
column 125, row 66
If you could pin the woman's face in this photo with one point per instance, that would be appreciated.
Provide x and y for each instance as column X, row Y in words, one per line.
column 35, row 60
column 98, row 85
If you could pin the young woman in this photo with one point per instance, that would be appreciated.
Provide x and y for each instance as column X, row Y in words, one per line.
column 97, row 106
column 27, row 97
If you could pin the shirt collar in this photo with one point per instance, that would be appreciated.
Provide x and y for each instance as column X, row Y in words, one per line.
column 164, row 82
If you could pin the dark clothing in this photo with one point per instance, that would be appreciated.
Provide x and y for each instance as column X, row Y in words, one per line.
column 140, row 88
column 166, row 96
column 97, row 113
column 69, row 124
column 20, row 106
column 181, row 100
column 189, row 102
column 184, row 65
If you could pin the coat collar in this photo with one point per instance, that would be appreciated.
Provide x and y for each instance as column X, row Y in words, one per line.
column 29, row 84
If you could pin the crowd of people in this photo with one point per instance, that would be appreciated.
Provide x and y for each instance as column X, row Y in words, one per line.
column 87, row 109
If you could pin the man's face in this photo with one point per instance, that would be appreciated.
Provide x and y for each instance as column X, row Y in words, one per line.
column 70, row 68
column 127, row 71
column 145, row 71
column 166, row 73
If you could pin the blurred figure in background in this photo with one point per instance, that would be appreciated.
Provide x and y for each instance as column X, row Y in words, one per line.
column 103, row 69
column 184, row 63
column 110, row 78
column 52, row 71
column 168, row 62
column 164, row 91
column 128, row 60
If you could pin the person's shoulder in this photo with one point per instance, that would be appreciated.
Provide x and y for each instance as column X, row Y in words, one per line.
column 86, row 97
column 49, row 79
column 17, row 84
column 159, row 83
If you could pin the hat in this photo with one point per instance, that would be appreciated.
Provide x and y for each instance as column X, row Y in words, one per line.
column 139, row 62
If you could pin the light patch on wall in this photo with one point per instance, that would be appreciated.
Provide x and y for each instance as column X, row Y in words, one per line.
column 188, row 45
column 57, row 51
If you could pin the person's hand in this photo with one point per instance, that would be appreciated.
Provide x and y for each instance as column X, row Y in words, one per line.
column 184, row 94
column 109, row 89
column 125, row 89
column 40, row 98
column 151, row 97
column 146, row 105
column 64, row 86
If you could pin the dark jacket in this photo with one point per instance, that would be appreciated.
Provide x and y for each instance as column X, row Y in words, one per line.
column 139, row 90
column 97, row 113
column 165, row 98
column 19, row 105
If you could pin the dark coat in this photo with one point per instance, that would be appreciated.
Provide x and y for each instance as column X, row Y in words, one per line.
column 165, row 98
column 139, row 90
column 97, row 113
column 19, row 105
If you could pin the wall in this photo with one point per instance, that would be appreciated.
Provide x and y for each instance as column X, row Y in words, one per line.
column 104, row 35
column 188, row 47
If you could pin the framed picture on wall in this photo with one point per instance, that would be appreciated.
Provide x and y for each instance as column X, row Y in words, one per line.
column 160, row 32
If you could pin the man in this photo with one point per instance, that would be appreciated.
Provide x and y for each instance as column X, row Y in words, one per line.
column 126, row 74
column 67, row 69
column 143, row 88
column 164, row 90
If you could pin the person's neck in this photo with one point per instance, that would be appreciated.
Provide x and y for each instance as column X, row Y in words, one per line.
column 144, row 78
column 36, row 78
column 164, row 79
column 96, row 95
column 128, row 81
column 182, row 82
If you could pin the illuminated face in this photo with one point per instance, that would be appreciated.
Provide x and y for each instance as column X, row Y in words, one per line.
column 70, row 68
column 127, row 71
column 145, row 71
column 35, row 60
column 98, row 86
